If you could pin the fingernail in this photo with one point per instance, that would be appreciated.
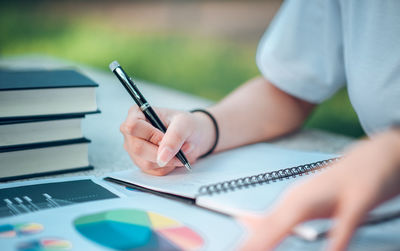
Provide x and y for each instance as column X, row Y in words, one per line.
column 164, row 156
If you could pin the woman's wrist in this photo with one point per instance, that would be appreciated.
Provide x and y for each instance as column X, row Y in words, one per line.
column 387, row 159
column 207, row 132
column 390, row 140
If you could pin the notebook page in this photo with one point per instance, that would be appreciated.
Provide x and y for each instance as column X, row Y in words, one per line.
column 233, row 164
column 253, row 199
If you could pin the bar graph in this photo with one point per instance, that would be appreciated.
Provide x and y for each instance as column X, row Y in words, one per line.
column 31, row 198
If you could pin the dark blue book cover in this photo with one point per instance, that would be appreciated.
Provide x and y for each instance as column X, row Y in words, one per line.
column 13, row 82
column 39, row 79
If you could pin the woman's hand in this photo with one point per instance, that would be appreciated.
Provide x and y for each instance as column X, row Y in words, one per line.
column 368, row 175
column 153, row 152
column 239, row 123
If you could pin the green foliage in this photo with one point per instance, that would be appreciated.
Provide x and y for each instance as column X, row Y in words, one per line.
column 207, row 67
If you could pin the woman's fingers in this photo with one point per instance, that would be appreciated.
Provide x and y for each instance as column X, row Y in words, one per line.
column 266, row 232
column 259, row 236
column 141, row 129
column 295, row 207
column 141, row 140
column 139, row 148
column 350, row 213
column 152, row 168
column 134, row 114
column 177, row 133
column 340, row 235
column 150, row 148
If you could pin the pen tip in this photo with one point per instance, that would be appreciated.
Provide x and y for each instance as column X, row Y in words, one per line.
column 188, row 166
column 114, row 64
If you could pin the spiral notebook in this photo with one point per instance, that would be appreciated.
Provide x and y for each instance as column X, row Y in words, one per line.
column 246, row 179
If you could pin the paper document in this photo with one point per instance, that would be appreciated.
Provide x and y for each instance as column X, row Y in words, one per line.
column 233, row 164
column 140, row 222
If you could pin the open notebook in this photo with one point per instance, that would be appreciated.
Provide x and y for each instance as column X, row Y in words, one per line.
column 246, row 179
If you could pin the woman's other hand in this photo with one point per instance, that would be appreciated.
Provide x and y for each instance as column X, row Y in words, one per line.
column 368, row 175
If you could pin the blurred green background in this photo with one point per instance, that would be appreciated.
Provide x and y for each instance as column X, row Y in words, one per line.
column 206, row 48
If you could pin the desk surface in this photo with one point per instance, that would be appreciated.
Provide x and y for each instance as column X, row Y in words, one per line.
column 106, row 151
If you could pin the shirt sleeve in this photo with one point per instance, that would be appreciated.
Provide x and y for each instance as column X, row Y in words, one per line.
column 302, row 51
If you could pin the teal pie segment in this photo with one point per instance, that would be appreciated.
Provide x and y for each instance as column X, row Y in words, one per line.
column 116, row 235
column 129, row 216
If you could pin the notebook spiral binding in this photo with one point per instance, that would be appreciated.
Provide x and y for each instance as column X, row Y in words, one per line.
column 262, row 178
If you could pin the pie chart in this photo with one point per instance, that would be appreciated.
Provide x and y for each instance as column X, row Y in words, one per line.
column 132, row 229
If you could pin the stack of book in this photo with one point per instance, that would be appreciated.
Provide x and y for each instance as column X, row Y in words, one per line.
column 40, row 122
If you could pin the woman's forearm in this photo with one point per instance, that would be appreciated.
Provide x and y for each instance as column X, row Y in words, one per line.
column 257, row 111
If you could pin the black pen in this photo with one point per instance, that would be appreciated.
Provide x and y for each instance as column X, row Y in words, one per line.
column 150, row 114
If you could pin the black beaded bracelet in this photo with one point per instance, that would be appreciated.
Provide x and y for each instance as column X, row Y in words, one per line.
column 216, row 130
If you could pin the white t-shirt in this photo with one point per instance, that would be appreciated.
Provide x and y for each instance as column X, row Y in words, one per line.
column 313, row 48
